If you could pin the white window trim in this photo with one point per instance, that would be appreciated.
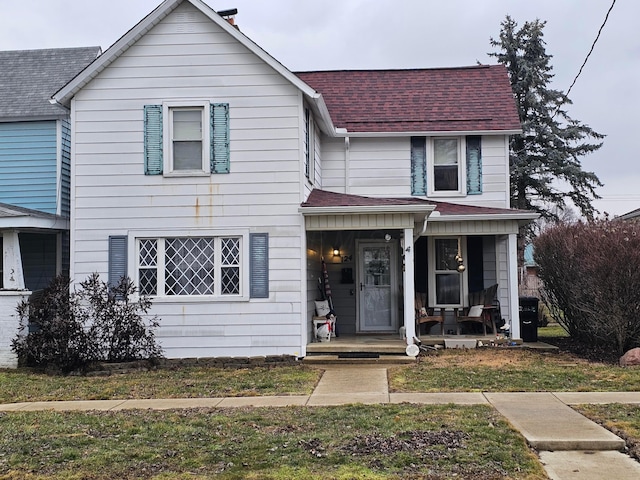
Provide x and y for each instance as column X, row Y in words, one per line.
column 167, row 136
column 243, row 234
column 462, row 169
column 464, row 287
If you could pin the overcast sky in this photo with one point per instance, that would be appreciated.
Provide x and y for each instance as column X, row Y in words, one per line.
column 346, row 34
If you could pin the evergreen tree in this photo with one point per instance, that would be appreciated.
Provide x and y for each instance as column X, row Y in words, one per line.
column 544, row 160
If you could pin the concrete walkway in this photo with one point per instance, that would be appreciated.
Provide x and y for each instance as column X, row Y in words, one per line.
column 570, row 445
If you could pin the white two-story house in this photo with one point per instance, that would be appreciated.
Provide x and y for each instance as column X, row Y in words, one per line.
column 218, row 181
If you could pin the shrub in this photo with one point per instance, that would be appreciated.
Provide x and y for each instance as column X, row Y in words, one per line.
column 96, row 323
column 50, row 333
column 592, row 281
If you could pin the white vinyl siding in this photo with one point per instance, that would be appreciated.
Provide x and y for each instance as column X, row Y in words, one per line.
column 381, row 167
column 186, row 57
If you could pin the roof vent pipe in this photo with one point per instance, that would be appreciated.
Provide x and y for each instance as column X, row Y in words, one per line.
column 229, row 15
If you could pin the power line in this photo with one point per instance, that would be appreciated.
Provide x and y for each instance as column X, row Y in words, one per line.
column 588, row 54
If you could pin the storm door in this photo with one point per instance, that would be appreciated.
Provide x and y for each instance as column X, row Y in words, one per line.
column 378, row 286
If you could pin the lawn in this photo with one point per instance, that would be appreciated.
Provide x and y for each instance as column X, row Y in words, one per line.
column 346, row 442
column 510, row 370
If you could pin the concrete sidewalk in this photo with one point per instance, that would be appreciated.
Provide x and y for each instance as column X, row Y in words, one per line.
column 570, row 445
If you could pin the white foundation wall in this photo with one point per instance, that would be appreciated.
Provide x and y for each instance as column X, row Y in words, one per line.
column 9, row 325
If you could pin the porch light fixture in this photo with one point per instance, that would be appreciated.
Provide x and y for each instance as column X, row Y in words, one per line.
column 336, row 252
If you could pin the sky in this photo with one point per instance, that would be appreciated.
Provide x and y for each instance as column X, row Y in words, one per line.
column 375, row 34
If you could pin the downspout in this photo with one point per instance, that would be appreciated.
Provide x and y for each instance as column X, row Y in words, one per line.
column 347, row 159
column 416, row 236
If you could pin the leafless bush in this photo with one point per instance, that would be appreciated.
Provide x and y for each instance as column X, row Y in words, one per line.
column 591, row 277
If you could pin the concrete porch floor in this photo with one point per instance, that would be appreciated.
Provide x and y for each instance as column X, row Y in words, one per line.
column 393, row 344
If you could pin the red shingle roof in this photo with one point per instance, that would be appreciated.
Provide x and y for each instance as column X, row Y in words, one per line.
column 464, row 99
column 323, row 198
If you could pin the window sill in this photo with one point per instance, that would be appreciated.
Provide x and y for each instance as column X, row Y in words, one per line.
column 446, row 195
column 190, row 173
column 178, row 299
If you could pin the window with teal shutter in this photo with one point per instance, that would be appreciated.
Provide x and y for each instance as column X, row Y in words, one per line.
column 153, row 140
column 474, row 165
column 259, row 265
column 220, row 156
column 418, row 166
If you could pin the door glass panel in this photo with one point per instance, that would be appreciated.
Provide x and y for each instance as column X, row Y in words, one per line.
column 377, row 266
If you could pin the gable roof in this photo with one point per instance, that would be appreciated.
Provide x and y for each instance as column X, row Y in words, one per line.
column 28, row 79
column 66, row 93
column 463, row 99
column 322, row 202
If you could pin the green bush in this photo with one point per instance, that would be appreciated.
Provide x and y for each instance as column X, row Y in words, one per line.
column 591, row 281
column 68, row 330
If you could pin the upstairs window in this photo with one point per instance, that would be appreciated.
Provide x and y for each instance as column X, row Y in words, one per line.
column 446, row 165
column 187, row 140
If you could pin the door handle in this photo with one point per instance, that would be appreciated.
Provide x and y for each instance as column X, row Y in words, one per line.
column 361, row 286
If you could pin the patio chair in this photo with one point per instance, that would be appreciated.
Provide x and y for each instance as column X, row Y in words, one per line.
column 481, row 311
column 427, row 316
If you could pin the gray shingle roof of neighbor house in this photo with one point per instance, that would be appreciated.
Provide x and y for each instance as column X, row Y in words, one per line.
column 29, row 78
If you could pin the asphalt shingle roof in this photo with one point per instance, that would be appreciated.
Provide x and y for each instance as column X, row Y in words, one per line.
column 28, row 79
column 477, row 98
column 323, row 198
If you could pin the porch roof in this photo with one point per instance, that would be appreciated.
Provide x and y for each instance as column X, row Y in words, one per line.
column 322, row 202
column 13, row 217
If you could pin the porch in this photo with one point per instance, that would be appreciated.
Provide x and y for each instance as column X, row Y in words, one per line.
column 369, row 345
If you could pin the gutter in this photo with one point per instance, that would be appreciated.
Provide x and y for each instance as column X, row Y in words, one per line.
column 366, row 209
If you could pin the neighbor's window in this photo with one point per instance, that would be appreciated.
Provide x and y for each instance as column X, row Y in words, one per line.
column 446, row 164
column 190, row 266
column 448, row 280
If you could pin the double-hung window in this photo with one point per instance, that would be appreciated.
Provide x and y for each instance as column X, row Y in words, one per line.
column 190, row 266
column 446, row 166
column 187, row 140
column 447, row 281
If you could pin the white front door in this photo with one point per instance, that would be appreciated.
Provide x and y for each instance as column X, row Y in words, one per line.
column 377, row 277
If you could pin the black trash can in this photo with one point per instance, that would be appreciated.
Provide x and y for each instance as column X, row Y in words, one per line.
column 529, row 319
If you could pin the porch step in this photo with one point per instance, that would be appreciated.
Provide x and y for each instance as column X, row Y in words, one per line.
column 353, row 359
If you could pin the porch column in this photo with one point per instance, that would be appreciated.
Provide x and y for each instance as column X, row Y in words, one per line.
column 13, row 277
column 514, row 303
column 409, row 286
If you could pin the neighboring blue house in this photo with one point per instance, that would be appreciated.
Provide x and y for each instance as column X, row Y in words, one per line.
column 35, row 149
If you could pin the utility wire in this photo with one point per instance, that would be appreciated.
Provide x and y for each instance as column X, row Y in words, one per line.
column 588, row 54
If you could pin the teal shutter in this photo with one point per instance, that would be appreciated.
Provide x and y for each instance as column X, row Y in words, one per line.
column 153, row 139
column 220, row 138
column 474, row 166
column 259, row 265
column 418, row 166
column 117, row 259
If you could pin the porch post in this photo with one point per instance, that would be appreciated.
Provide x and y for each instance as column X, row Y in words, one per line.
column 409, row 286
column 514, row 303
column 13, row 277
